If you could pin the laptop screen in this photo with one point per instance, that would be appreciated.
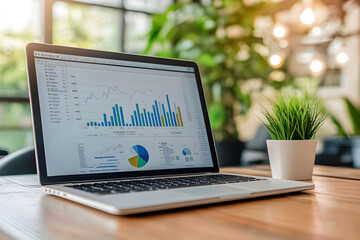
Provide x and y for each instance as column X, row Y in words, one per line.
column 104, row 115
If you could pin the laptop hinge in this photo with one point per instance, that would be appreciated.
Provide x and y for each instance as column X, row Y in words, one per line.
column 141, row 177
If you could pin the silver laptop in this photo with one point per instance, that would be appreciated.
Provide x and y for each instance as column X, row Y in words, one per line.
column 128, row 134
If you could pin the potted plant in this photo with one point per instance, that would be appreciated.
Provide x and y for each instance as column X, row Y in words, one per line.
column 219, row 36
column 293, row 122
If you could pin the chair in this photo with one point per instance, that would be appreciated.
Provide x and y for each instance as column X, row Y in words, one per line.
column 19, row 162
column 3, row 152
column 255, row 151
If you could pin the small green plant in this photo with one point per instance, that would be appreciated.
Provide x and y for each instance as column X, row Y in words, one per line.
column 294, row 116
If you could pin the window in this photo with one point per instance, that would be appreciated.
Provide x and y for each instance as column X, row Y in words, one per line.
column 114, row 25
column 19, row 24
column 86, row 26
column 137, row 25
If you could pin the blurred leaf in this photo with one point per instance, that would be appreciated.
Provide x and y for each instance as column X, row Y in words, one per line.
column 166, row 54
column 217, row 113
column 206, row 59
column 354, row 115
column 340, row 129
column 244, row 99
column 158, row 22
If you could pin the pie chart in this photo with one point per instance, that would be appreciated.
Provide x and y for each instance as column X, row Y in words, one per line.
column 140, row 158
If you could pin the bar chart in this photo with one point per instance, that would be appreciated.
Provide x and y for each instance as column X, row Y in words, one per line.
column 160, row 114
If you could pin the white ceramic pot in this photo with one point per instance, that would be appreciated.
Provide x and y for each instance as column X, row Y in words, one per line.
column 292, row 159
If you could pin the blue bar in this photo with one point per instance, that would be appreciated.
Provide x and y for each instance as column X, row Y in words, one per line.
column 87, row 124
column 105, row 121
column 146, row 118
column 165, row 118
column 153, row 119
column 122, row 117
column 167, row 98
column 109, row 123
column 154, row 116
column 102, row 124
column 104, row 157
column 158, row 114
column 174, row 119
column 138, row 112
column 115, row 116
column 95, row 123
column 136, row 120
column 149, row 119
column 127, row 124
column 178, row 124
column 132, row 120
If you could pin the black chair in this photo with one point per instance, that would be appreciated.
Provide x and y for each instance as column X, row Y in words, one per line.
column 3, row 152
column 255, row 151
column 19, row 162
column 337, row 151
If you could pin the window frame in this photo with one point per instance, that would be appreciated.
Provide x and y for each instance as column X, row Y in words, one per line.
column 46, row 35
column 47, row 31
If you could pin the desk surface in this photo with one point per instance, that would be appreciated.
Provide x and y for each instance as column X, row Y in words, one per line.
column 330, row 211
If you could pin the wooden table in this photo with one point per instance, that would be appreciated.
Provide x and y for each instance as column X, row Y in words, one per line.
column 331, row 211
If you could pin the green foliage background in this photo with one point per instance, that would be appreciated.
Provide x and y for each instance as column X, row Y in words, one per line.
column 220, row 38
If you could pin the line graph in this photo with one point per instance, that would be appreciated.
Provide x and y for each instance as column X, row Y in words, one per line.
column 117, row 91
column 110, row 149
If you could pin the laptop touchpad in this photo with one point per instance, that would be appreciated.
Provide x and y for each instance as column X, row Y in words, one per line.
column 215, row 191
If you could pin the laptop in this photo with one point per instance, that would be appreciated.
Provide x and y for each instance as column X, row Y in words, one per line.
column 128, row 134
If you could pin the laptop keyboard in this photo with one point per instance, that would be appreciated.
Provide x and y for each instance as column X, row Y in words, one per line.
column 160, row 183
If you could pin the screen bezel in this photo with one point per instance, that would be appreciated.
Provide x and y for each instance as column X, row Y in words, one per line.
column 36, row 116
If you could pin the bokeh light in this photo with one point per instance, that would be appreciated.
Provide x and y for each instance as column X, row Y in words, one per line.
column 275, row 60
column 316, row 66
column 342, row 57
column 279, row 31
column 307, row 16
column 316, row 31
